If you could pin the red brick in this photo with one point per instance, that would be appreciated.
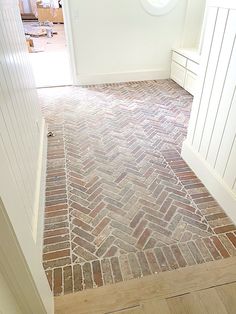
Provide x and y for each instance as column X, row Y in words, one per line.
column 220, row 247
column 56, row 255
column 143, row 264
column 143, row 239
column 178, row 255
column 87, row 275
column 97, row 209
column 97, row 274
column 232, row 238
column 224, row 229
column 80, row 208
column 152, row 262
column 77, row 278
column 161, row 259
column 56, row 239
column 139, row 229
column 213, row 217
column 56, row 207
column 121, row 177
column 209, row 244
column 111, row 252
column 57, row 282
column 79, row 223
column 68, row 280
column 136, row 219
column 115, row 266
column 99, row 228
column 85, row 244
column 170, row 257
column 56, row 213
column 57, row 232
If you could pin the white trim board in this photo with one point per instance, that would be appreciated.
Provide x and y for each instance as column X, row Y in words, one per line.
column 38, row 223
column 69, row 39
column 213, row 182
column 15, row 269
column 119, row 77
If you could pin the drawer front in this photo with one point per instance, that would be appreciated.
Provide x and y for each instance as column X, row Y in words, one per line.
column 178, row 73
column 190, row 82
column 192, row 66
column 179, row 59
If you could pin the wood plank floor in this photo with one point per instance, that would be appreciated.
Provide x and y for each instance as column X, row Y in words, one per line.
column 205, row 288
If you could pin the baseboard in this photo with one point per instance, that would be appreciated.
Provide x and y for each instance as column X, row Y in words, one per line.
column 213, row 182
column 120, row 77
column 40, row 190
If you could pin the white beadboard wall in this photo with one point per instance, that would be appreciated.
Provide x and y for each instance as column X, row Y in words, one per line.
column 210, row 147
column 21, row 122
column 22, row 148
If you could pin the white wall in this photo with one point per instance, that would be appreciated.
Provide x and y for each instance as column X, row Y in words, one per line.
column 193, row 22
column 210, row 148
column 8, row 304
column 117, row 40
column 22, row 152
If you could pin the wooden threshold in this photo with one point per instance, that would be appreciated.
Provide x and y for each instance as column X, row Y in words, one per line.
column 125, row 295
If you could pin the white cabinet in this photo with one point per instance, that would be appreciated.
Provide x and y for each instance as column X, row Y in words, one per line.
column 184, row 68
column 178, row 73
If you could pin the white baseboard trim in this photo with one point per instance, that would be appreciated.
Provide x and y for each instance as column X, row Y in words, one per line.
column 213, row 182
column 40, row 190
column 120, row 77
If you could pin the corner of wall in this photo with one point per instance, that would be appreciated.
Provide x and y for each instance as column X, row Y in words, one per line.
column 213, row 182
column 40, row 190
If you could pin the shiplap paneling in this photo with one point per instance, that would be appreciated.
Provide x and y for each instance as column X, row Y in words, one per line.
column 210, row 27
column 218, row 88
column 211, row 142
column 21, row 120
column 22, row 162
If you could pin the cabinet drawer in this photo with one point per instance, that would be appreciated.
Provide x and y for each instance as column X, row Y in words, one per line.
column 190, row 82
column 179, row 59
column 192, row 66
column 177, row 73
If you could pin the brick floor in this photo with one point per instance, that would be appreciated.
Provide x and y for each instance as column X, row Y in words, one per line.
column 120, row 201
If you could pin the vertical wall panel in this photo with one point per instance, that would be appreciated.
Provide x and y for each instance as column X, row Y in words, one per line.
column 210, row 147
column 20, row 117
column 226, row 95
column 213, row 59
column 206, row 49
column 219, row 85
column 22, row 166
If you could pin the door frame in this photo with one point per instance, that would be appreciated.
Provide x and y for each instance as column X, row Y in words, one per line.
column 69, row 39
column 15, row 269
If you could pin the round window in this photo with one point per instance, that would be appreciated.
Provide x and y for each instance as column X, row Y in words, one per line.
column 158, row 7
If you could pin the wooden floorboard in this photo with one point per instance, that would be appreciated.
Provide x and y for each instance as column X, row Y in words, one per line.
column 227, row 294
column 167, row 285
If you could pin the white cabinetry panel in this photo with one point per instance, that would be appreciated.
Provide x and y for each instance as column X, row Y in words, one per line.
column 184, row 70
column 190, row 82
column 178, row 73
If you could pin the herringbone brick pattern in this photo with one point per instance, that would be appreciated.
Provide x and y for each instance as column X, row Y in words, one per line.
column 120, row 201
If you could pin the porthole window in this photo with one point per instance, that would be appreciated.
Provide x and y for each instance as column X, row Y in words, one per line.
column 159, row 7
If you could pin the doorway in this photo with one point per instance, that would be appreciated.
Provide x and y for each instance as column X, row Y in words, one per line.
column 43, row 23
